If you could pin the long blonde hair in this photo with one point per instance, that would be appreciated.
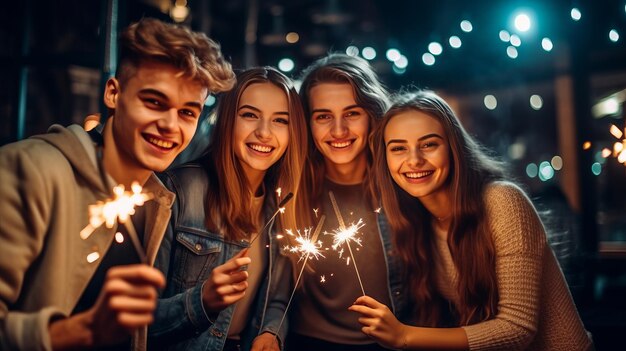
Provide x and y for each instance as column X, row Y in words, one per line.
column 229, row 200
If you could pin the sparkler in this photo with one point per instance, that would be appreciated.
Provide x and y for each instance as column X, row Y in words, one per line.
column 281, row 209
column 346, row 234
column 308, row 247
column 118, row 209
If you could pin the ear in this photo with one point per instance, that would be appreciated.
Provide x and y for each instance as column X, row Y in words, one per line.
column 111, row 93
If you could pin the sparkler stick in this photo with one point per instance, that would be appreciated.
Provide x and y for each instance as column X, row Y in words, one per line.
column 345, row 235
column 307, row 247
column 281, row 208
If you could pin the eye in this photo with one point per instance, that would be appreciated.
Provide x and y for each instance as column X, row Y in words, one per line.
column 430, row 145
column 397, row 148
column 188, row 113
column 282, row 120
column 352, row 114
column 323, row 117
column 154, row 103
column 247, row 115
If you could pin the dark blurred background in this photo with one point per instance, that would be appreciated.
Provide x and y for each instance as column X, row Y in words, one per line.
column 540, row 82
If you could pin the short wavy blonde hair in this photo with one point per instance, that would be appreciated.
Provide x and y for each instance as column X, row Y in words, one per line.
column 197, row 56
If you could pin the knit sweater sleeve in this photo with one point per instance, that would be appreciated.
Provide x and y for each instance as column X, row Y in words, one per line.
column 519, row 240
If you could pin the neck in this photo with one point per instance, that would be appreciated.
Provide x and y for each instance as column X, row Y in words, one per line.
column 439, row 205
column 118, row 164
column 255, row 179
column 347, row 173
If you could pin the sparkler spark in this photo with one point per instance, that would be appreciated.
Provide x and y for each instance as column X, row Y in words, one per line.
column 118, row 209
column 346, row 235
column 619, row 147
column 322, row 279
column 278, row 192
column 307, row 248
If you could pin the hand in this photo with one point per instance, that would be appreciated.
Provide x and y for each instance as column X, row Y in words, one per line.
column 226, row 285
column 126, row 303
column 265, row 342
column 379, row 323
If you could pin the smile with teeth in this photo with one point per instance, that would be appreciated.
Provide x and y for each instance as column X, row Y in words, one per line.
column 341, row 144
column 261, row 148
column 416, row 175
column 161, row 143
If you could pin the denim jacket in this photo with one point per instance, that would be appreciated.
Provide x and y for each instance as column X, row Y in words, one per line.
column 187, row 256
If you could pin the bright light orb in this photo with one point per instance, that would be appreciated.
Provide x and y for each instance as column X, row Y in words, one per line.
column 546, row 44
column 511, row 51
column 286, row 65
column 522, row 22
column 504, row 35
column 536, row 102
column 369, row 53
column 428, row 59
column 466, row 26
column 613, row 35
column 393, row 55
column 575, row 13
column 435, row 48
column 352, row 50
column 490, row 102
column 455, row 42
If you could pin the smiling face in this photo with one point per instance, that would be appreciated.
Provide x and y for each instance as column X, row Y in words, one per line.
column 339, row 126
column 155, row 116
column 418, row 154
column 261, row 131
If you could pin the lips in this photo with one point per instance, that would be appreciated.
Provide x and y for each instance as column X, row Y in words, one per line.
column 418, row 175
column 160, row 143
column 266, row 149
column 340, row 144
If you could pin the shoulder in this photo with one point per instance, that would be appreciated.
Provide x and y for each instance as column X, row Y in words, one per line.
column 188, row 177
column 513, row 220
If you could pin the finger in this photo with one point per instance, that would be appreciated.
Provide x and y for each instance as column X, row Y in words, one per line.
column 233, row 264
column 364, row 310
column 131, row 321
column 138, row 274
column 242, row 253
column 230, row 289
column 225, row 279
column 368, row 301
column 367, row 322
column 232, row 298
column 122, row 287
column 130, row 304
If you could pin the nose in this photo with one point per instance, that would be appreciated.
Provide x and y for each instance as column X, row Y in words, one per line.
column 339, row 128
column 263, row 130
column 169, row 121
column 415, row 158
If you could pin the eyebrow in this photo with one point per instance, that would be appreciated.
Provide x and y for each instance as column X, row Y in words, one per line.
column 328, row 110
column 164, row 97
column 403, row 141
column 285, row 113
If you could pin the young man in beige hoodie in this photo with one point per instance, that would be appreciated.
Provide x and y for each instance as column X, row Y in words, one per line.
column 51, row 295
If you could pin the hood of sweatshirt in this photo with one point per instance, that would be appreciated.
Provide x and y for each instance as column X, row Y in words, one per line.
column 70, row 146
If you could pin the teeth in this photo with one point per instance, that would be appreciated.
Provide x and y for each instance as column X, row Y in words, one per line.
column 418, row 174
column 341, row 145
column 161, row 143
column 260, row 148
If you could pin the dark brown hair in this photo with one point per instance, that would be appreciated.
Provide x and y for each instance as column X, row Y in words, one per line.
column 369, row 94
column 470, row 241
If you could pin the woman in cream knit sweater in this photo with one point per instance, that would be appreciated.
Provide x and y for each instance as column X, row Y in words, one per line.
column 480, row 273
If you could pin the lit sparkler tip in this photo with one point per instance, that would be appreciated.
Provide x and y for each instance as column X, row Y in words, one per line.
column 282, row 210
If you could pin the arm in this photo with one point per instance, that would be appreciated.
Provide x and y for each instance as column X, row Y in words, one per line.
column 194, row 310
column 520, row 241
column 25, row 209
column 270, row 338
column 381, row 325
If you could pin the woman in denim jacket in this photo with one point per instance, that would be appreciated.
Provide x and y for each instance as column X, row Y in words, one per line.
column 343, row 100
column 219, row 280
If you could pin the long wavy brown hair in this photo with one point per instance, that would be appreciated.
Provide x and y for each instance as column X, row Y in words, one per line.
column 369, row 94
column 230, row 198
column 469, row 238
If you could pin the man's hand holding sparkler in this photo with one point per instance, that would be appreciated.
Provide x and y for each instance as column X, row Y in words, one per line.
column 265, row 342
column 126, row 303
column 227, row 284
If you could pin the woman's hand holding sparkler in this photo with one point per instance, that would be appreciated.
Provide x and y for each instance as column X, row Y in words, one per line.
column 227, row 284
column 126, row 302
column 380, row 324
column 265, row 342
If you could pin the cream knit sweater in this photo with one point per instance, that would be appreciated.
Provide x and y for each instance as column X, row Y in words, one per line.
column 535, row 310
